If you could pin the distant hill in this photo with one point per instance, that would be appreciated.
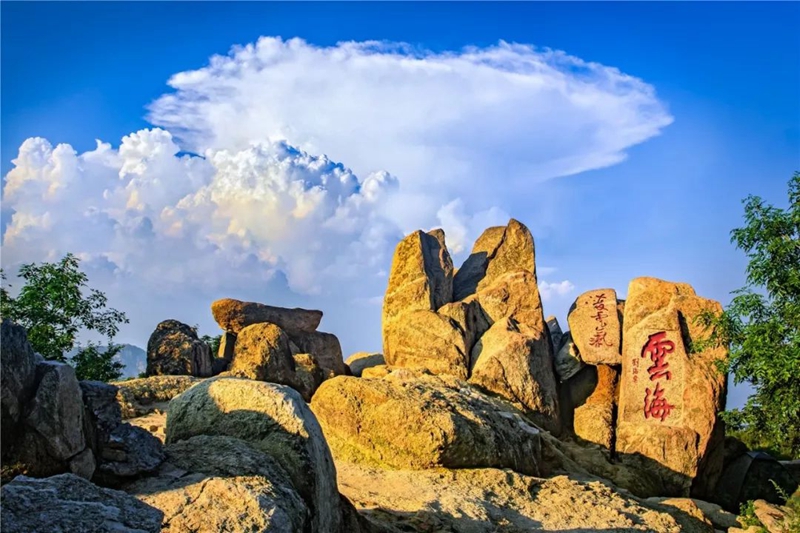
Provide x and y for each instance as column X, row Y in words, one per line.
column 133, row 357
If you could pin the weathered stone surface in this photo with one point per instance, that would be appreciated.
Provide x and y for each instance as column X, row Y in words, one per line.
column 568, row 360
column 489, row 500
column 55, row 413
column 308, row 375
column 129, row 452
column 499, row 250
column 513, row 295
column 362, row 360
column 104, row 413
column 469, row 318
column 776, row 518
column 515, row 362
column 262, row 353
column 417, row 421
column 556, row 334
column 139, row 397
column 18, row 372
column 595, row 327
column 667, row 419
column 421, row 279
column 324, row 347
column 593, row 421
column 83, row 464
column 68, row 503
column 222, row 484
column 235, row 315
column 683, row 508
column 175, row 349
column 426, row 340
column 718, row 517
column 576, row 459
column 275, row 420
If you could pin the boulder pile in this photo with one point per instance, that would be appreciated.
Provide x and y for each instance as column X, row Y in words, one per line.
column 53, row 424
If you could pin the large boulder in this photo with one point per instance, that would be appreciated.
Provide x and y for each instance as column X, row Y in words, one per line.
column 669, row 398
column 362, row 360
column 263, row 353
column 421, row 279
column 596, row 327
column 427, row 340
column 67, row 503
column 515, row 362
column 175, row 349
column 129, row 451
column 140, row 397
column 593, row 420
column 499, row 250
column 103, row 411
column 222, row 484
column 489, row 500
column 273, row 419
column 54, row 422
column 417, row 421
column 18, row 374
column 324, row 347
column 513, row 295
column 234, row 315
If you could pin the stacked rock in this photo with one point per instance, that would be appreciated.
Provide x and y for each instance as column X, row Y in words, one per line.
column 483, row 323
column 276, row 344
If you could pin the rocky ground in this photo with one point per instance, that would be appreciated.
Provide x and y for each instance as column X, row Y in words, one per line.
column 480, row 416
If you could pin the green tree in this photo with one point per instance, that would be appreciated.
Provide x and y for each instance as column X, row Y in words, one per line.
column 213, row 343
column 54, row 305
column 761, row 326
column 98, row 365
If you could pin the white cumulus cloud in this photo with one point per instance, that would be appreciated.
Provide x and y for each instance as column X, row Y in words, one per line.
column 451, row 139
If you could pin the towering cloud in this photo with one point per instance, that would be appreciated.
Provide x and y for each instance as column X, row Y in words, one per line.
column 428, row 139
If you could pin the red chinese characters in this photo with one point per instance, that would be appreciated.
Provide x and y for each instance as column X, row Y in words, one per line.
column 657, row 348
column 599, row 338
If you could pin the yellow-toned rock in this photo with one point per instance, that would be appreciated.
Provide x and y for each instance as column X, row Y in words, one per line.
column 669, row 397
column 235, row 315
column 595, row 326
column 412, row 420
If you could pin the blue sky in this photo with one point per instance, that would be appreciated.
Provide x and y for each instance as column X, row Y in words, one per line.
column 727, row 75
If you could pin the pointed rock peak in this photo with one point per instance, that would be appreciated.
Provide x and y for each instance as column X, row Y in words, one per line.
column 499, row 250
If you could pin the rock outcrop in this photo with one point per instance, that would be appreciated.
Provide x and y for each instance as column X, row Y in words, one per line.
column 235, row 315
column 274, row 420
column 66, row 503
column 324, row 347
column 487, row 500
column 418, row 421
column 140, row 397
column 308, row 375
column 421, row 280
column 669, row 398
column 18, row 377
column 175, row 349
column 433, row 324
column 222, row 484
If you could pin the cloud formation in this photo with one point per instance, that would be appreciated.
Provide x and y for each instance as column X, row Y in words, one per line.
column 428, row 139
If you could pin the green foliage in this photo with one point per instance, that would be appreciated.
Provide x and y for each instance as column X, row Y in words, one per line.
column 93, row 364
column 213, row 343
column 761, row 326
column 748, row 518
column 54, row 305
